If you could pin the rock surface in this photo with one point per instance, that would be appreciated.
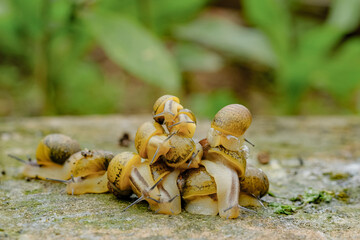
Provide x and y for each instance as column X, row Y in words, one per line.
column 314, row 173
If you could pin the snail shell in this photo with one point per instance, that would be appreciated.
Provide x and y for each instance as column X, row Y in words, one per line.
column 194, row 160
column 160, row 102
column 233, row 119
column 166, row 108
column 89, row 162
column 254, row 186
column 119, row 171
column 181, row 150
column 159, row 170
column 255, row 182
column 55, row 149
column 143, row 135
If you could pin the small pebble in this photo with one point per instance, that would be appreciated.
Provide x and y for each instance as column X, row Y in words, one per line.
column 263, row 157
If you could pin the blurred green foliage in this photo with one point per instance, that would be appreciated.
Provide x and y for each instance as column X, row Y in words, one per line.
column 108, row 56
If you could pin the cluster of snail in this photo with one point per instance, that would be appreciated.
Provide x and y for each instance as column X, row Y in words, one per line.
column 170, row 168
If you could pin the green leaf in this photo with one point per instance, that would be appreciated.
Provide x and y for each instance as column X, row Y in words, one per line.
column 82, row 90
column 340, row 75
column 313, row 49
column 135, row 49
column 241, row 43
column 273, row 18
column 157, row 15
column 345, row 14
column 192, row 57
column 165, row 13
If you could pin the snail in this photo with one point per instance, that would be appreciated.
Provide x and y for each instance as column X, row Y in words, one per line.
column 151, row 141
column 166, row 108
column 228, row 127
column 127, row 173
column 51, row 154
column 225, row 159
column 184, row 124
column 87, row 172
column 119, row 171
column 154, row 183
column 254, row 185
column 198, row 189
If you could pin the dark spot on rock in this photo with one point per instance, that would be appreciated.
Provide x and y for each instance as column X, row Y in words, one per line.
column 124, row 140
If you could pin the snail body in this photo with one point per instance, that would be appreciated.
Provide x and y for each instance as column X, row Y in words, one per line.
column 170, row 199
column 143, row 184
column 227, row 187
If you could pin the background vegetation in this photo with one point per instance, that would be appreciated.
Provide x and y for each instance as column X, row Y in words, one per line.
column 110, row 56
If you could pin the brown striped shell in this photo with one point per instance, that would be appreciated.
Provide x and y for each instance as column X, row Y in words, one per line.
column 255, row 182
column 56, row 148
column 88, row 162
column 160, row 104
column 233, row 119
column 181, row 150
